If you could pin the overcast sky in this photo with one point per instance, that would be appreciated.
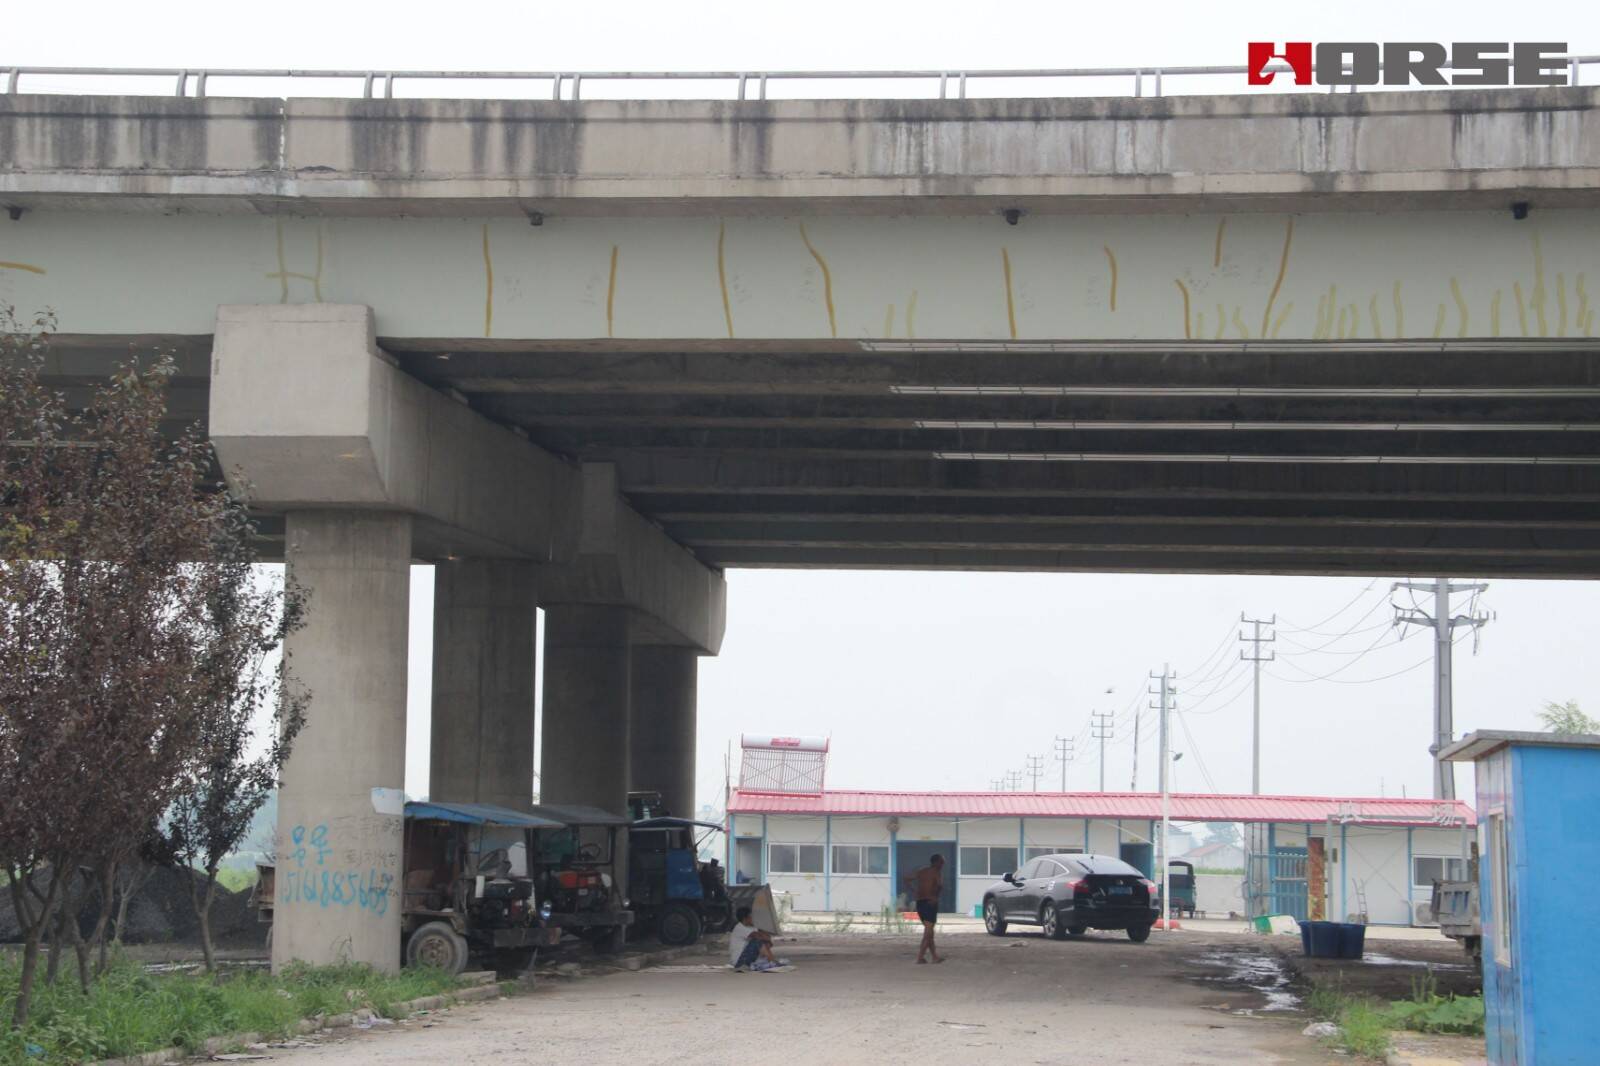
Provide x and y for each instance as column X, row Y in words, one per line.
column 947, row 681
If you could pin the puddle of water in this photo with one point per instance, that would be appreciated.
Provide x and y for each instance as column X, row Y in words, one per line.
column 1263, row 974
column 1386, row 960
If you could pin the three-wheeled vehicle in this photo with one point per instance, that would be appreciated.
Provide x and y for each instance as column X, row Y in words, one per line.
column 468, row 888
column 665, row 885
column 577, row 866
column 1180, row 875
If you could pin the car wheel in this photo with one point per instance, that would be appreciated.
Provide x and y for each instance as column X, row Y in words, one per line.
column 436, row 944
column 1051, row 922
column 992, row 920
column 678, row 925
column 1139, row 933
column 1077, row 930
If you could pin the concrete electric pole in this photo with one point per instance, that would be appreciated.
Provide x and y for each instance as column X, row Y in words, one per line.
column 1064, row 755
column 1134, row 787
column 1013, row 780
column 1257, row 658
column 1164, row 705
column 1101, row 725
column 1443, row 624
column 1035, row 768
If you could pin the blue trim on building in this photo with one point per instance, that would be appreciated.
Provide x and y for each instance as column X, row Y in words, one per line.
column 1022, row 842
column 954, row 865
column 763, row 878
column 894, row 869
column 1344, row 859
column 1086, row 848
column 1411, row 881
column 827, row 862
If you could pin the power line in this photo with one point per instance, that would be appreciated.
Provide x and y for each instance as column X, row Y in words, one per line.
column 1313, row 628
column 1035, row 768
column 1443, row 623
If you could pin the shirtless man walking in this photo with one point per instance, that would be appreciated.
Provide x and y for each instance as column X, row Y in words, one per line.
column 929, row 884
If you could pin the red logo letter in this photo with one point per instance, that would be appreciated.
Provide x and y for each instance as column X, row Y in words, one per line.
column 1296, row 53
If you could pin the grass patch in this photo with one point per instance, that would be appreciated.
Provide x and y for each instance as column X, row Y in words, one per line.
column 130, row 1011
column 1364, row 1023
column 1428, row 1012
column 237, row 880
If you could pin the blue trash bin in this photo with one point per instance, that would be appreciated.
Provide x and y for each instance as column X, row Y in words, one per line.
column 1352, row 940
column 1323, row 940
column 1305, row 938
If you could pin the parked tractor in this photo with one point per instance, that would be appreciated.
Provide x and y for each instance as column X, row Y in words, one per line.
column 669, row 889
column 468, row 889
column 577, row 874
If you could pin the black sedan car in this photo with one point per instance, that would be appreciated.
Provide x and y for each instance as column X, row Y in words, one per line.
column 1067, row 894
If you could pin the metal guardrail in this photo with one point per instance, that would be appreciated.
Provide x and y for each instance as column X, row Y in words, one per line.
column 569, row 84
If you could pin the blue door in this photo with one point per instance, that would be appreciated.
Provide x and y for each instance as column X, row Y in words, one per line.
column 1278, row 882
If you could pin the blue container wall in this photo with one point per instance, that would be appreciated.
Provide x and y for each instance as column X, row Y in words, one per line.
column 1539, row 986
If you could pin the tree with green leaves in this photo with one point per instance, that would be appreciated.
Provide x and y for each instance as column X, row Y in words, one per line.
column 1567, row 718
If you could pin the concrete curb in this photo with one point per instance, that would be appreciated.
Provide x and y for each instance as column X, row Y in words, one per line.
column 484, row 989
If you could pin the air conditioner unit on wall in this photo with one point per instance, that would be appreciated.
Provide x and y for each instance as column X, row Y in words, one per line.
column 1422, row 914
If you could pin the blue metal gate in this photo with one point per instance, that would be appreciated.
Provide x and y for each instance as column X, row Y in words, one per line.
column 1278, row 883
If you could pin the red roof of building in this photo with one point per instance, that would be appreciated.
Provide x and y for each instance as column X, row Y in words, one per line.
column 1185, row 807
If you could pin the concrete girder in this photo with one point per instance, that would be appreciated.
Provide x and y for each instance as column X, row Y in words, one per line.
column 306, row 412
column 1481, row 368
column 750, row 474
column 1303, row 563
column 1301, row 152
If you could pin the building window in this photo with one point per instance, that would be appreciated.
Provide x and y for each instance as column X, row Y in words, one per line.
column 1426, row 869
column 1034, row 853
column 860, row 859
column 794, row 858
column 988, row 862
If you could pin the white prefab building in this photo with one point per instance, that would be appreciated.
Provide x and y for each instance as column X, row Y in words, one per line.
column 1312, row 857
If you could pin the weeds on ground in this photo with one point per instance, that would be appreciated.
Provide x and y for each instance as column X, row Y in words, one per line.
column 128, row 1010
column 842, row 921
column 1364, row 1024
column 1428, row 1012
column 890, row 920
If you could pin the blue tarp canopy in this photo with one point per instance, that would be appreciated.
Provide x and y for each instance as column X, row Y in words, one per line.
column 480, row 814
column 576, row 814
column 674, row 823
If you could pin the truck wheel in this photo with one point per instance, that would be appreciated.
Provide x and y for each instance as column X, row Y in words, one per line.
column 436, row 944
column 678, row 925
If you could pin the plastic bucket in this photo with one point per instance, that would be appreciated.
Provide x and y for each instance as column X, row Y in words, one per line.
column 1305, row 938
column 1352, row 940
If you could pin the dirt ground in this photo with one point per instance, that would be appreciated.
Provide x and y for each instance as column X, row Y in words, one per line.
column 1390, row 969
column 1181, row 998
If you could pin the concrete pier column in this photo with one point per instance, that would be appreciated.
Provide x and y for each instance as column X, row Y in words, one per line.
column 483, row 656
column 341, row 806
column 662, row 724
column 584, row 754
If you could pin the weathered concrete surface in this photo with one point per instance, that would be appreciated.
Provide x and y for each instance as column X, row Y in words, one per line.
column 662, row 716
column 624, row 561
column 339, row 809
column 306, row 412
column 444, row 157
column 583, row 751
column 483, row 685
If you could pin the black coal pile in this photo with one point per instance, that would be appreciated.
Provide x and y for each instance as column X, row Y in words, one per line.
column 160, row 913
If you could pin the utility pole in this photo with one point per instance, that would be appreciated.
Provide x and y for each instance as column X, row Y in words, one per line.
column 1443, row 624
column 1166, row 692
column 1256, row 657
column 1035, row 767
column 1135, row 786
column 1101, row 725
column 1064, row 755
column 996, row 785
column 1013, row 780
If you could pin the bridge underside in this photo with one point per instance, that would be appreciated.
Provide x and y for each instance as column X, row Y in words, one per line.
column 1206, row 457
